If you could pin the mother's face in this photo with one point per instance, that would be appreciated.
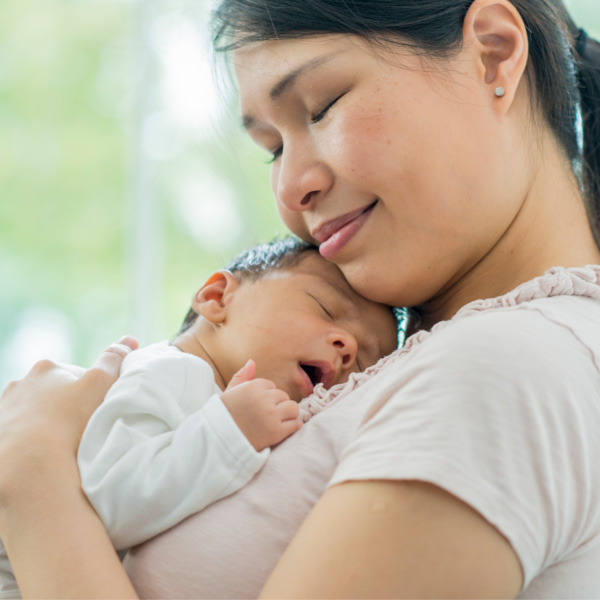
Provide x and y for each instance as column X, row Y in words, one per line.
column 399, row 170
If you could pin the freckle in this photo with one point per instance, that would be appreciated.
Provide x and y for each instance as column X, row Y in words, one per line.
column 389, row 142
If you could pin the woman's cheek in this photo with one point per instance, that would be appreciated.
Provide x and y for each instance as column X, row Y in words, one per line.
column 357, row 144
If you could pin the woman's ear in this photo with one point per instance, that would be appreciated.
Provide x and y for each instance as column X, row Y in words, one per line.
column 495, row 31
column 212, row 299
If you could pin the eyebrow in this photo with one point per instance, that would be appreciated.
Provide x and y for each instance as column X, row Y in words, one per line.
column 287, row 81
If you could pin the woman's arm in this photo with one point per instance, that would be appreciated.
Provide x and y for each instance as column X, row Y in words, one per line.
column 395, row 539
column 55, row 541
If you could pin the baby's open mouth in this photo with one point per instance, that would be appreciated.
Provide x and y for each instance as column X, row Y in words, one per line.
column 320, row 371
column 315, row 374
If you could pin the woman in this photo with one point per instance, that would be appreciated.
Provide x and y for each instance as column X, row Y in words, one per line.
column 432, row 149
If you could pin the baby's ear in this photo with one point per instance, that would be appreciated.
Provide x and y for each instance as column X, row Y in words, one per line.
column 212, row 299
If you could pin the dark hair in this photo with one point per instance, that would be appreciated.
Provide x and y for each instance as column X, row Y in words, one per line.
column 565, row 83
column 254, row 263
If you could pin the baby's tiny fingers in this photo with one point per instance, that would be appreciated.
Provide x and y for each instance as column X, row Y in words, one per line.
column 244, row 375
column 265, row 384
column 283, row 397
column 288, row 410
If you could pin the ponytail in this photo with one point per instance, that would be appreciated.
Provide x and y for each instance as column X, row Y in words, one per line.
column 587, row 53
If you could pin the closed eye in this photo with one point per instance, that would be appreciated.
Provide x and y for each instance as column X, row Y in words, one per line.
column 323, row 308
column 275, row 155
column 321, row 113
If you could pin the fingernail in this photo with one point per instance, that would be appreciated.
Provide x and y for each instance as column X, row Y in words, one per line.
column 129, row 341
column 122, row 347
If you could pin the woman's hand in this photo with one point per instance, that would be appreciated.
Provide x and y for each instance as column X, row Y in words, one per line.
column 55, row 541
column 47, row 410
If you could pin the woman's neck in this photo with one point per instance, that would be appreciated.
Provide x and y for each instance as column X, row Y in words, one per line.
column 551, row 229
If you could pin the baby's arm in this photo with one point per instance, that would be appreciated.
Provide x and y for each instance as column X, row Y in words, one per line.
column 147, row 463
column 264, row 413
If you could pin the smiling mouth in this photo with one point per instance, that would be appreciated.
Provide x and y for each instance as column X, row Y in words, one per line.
column 325, row 231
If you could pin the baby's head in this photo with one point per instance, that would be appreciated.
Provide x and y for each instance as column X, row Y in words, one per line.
column 293, row 312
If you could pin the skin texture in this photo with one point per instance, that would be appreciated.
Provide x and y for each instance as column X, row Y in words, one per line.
column 45, row 520
column 460, row 177
column 388, row 539
column 257, row 335
column 429, row 171
column 303, row 315
column 471, row 198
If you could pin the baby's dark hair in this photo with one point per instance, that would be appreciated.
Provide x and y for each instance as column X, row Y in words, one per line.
column 255, row 262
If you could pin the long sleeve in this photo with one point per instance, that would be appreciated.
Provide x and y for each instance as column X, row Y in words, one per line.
column 162, row 446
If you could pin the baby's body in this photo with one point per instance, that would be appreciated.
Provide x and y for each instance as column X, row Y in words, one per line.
column 192, row 421
column 162, row 446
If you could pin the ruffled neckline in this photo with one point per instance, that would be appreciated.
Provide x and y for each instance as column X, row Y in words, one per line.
column 557, row 281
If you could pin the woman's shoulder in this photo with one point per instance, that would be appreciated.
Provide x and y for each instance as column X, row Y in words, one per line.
column 534, row 359
column 552, row 318
column 501, row 408
column 558, row 328
column 538, row 332
column 545, row 351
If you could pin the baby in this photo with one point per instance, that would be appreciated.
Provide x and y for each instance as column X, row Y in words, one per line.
column 192, row 420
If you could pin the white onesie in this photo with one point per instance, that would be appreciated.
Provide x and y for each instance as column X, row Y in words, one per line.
column 161, row 447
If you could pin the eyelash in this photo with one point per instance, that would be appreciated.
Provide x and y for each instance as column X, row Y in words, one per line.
column 322, row 307
column 317, row 117
column 329, row 315
column 275, row 155
column 314, row 119
column 327, row 312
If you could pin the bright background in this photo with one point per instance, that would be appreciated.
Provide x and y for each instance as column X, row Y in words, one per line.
column 125, row 177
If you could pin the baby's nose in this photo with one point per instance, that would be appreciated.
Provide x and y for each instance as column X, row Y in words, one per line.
column 346, row 346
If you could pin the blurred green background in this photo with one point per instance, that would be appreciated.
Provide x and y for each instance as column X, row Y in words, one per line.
column 125, row 177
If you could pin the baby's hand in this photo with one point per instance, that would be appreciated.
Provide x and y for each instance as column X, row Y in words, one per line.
column 264, row 413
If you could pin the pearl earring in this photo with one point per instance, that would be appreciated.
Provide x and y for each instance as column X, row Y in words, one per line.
column 499, row 91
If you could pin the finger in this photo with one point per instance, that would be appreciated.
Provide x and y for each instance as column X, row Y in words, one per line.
column 265, row 384
column 288, row 410
column 246, row 373
column 284, row 397
column 130, row 341
column 107, row 367
column 74, row 370
column 41, row 366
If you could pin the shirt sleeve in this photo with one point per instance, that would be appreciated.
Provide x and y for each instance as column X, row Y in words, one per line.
column 161, row 447
column 499, row 409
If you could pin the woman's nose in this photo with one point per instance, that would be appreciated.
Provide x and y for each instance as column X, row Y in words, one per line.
column 300, row 179
column 346, row 346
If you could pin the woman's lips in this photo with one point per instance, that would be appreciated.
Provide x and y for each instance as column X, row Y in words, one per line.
column 335, row 234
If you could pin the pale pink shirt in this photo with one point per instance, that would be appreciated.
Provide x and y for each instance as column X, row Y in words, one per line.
column 500, row 406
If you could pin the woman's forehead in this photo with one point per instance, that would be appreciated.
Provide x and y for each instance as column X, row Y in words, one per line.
column 272, row 64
